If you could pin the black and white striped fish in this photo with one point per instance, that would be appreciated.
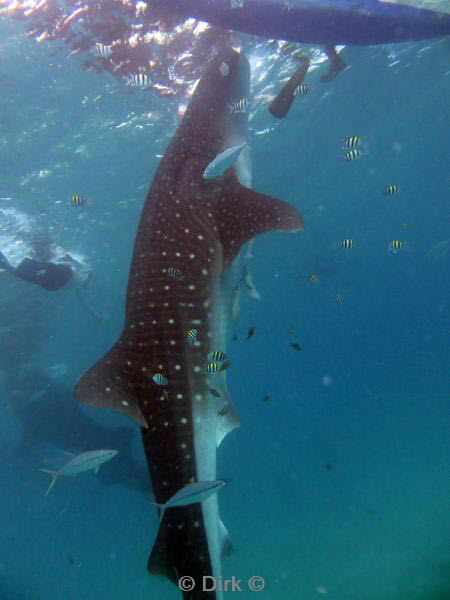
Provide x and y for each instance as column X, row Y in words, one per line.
column 102, row 50
column 301, row 89
column 238, row 106
column 140, row 80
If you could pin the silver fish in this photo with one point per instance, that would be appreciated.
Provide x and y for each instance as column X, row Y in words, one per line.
column 223, row 161
column 191, row 493
column 247, row 279
column 86, row 461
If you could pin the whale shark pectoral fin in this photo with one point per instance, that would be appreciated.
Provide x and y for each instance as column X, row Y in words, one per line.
column 105, row 385
column 242, row 213
column 226, row 545
column 160, row 561
column 227, row 420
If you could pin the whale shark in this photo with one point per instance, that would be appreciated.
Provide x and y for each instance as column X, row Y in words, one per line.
column 352, row 22
column 176, row 314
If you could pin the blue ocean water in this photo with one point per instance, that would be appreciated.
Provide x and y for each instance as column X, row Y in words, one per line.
column 340, row 481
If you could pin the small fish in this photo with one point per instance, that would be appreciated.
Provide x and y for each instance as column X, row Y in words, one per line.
column 235, row 305
column 352, row 154
column 350, row 142
column 251, row 331
column 301, row 89
column 247, row 279
column 290, row 329
column 328, row 466
column 102, row 50
column 249, row 253
column 159, row 379
column 338, row 299
column 347, row 244
column 239, row 106
column 396, row 245
column 237, row 3
column 313, row 278
column 295, row 345
column 223, row 411
column 224, row 69
column 216, row 367
column 86, row 461
column 140, row 80
column 213, row 392
column 191, row 493
column 191, row 336
column 175, row 273
column 391, row 190
column 266, row 398
column 77, row 200
column 223, row 161
column 217, row 356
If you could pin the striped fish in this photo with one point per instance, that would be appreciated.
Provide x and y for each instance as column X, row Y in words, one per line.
column 159, row 379
column 352, row 154
column 239, row 106
column 391, row 190
column 347, row 244
column 101, row 50
column 350, row 142
column 175, row 273
column 140, row 80
column 217, row 356
column 396, row 245
column 77, row 200
column 191, row 336
column 214, row 367
column 301, row 89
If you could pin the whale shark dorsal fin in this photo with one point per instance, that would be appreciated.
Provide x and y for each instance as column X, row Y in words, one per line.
column 105, row 385
column 160, row 561
column 242, row 213
column 227, row 420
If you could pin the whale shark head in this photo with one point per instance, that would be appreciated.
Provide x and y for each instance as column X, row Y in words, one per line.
column 189, row 233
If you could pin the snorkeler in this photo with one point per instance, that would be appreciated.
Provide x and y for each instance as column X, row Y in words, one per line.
column 336, row 63
column 48, row 275
column 280, row 105
column 28, row 253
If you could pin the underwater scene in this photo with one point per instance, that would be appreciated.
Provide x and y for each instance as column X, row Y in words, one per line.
column 225, row 275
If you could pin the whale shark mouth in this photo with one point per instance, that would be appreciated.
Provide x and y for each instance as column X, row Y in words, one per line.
column 189, row 233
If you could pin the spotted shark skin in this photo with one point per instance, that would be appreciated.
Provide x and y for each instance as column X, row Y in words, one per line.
column 198, row 228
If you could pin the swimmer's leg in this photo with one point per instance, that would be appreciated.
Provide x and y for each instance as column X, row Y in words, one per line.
column 336, row 63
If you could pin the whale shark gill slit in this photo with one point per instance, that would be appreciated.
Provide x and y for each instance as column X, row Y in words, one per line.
column 189, row 233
